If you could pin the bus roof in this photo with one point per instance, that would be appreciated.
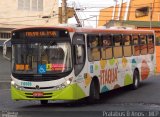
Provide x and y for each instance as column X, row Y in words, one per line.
column 92, row 30
column 115, row 31
column 70, row 29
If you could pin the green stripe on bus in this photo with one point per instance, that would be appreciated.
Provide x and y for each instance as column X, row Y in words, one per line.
column 72, row 92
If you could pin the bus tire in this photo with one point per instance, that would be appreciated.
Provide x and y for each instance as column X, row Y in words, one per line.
column 94, row 94
column 136, row 80
column 44, row 102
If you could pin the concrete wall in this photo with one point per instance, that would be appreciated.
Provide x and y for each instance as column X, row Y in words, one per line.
column 106, row 14
column 12, row 16
column 147, row 3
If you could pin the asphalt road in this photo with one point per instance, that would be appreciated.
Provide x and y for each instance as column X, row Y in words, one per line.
column 4, row 67
column 146, row 98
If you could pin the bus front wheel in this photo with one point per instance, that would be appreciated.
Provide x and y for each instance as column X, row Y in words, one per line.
column 136, row 81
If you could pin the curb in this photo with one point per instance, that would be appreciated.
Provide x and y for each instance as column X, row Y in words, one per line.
column 5, row 85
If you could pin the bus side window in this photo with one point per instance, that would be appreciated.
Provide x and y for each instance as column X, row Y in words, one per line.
column 127, row 49
column 93, row 48
column 143, row 44
column 117, row 49
column 150, row 40
column 135, row 47
column 106, row 49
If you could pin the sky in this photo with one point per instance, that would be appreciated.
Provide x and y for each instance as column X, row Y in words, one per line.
column 89, row 5
column 93, row 2
column 90, row 2
column 89, row 18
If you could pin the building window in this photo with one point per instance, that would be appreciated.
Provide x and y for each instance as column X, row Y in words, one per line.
column 34, row 5
column 20, row 4
column 143, row 11
column 40, row 5
column 24, row 4
column 37, row 5
column 5, row 35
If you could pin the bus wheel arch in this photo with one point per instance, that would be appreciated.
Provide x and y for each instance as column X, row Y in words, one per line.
column 136, row 79
column 94, row 91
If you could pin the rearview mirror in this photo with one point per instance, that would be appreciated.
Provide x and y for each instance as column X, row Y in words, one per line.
column 5, row 49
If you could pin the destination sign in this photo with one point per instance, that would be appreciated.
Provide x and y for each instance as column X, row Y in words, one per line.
column 41, row 34
column 37, row 35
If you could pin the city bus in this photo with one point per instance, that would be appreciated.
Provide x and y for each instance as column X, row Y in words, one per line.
column 71, row 63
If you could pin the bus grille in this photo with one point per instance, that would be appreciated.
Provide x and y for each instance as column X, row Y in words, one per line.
column 39, row 97
column 39, row 88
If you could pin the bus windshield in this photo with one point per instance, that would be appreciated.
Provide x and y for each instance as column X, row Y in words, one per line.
column 38, row 58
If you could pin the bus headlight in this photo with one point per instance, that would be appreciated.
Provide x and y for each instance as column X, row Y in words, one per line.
column 65, row 84
column 68, row 82
column 61, row 86
column 16, row 86
column 12, row 82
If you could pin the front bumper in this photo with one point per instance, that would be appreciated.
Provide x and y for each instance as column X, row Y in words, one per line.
column 72, row 92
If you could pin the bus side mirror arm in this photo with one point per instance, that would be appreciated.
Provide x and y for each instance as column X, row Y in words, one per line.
column 5, row 50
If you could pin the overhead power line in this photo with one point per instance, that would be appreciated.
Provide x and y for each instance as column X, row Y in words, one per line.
column 13, row 22
column 20, row 17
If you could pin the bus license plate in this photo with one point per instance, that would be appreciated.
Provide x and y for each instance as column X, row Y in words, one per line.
column 37, row 94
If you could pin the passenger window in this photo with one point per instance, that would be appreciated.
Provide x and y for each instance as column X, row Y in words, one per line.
column 127, row 48
column 143, row 44
column 106, row 49
column 93, row 48
column 117, row 39
column 135, row 47
column 150, row 40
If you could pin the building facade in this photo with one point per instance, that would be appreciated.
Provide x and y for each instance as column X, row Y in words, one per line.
column 23, row 13
column 135, row 10
column 140, row 14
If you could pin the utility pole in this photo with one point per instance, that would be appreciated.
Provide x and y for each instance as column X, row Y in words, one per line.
column 64, row 11
column 151, row 10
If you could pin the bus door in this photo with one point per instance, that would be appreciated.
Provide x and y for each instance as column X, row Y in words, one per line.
column 79, row 55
